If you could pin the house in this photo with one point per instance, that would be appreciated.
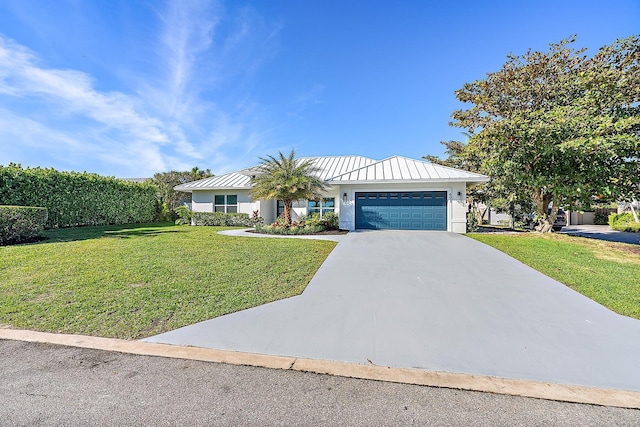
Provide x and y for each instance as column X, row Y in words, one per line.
column 394, row 193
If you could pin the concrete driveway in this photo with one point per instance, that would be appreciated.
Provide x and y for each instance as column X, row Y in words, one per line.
column 437, row 301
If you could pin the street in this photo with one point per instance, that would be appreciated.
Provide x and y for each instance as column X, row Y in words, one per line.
column 45, row 384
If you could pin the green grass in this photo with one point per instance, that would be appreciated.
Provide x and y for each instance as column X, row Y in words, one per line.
column 139, row 280
column 608, row 273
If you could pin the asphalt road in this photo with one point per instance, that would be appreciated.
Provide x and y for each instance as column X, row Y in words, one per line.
column 602, row 232
column 44, row 384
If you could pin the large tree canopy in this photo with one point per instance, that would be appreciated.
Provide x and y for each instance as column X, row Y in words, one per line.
column 558, row 126
column 288, row 179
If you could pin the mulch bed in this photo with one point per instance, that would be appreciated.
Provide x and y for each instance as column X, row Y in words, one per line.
column 322, row 233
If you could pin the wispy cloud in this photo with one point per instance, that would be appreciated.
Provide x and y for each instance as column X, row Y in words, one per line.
column 181, row 115
column 71, row 93
column 186, row 36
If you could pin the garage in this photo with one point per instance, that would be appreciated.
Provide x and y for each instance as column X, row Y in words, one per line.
column 414, row 210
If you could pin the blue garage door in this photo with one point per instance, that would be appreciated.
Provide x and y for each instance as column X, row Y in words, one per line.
column 416, row 210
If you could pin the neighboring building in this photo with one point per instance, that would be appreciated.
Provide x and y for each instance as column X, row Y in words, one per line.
column 394, row 193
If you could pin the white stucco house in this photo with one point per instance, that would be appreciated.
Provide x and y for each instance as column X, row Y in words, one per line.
column 394, row 193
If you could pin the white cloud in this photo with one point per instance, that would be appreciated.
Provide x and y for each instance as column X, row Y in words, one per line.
column 196, row 109
column 187, row 34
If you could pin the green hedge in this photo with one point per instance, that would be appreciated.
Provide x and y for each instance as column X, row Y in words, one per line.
column 600, row 218
column 624, row 222
column 221, row 219
column 74, row 198
column 21, row 223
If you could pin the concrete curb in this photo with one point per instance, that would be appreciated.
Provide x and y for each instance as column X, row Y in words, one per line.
column 525, row 388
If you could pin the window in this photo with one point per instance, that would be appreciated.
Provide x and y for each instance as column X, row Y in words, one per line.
column 328, row 204
column 226, row 204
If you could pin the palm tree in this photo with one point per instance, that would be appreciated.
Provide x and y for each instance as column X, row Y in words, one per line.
column 287, row 179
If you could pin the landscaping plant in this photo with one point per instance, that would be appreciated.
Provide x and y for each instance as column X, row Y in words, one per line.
column 624, row 222
column 21, row 223
column 288, row 179
column 74, row 198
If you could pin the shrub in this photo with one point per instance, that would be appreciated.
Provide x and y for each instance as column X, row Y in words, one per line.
column 21, row 223
column 472, row 222
column 600, row 218
column 221, row 219
column 184, row 215
column 306, row 224
column 295, row 229
column 624, row 222
column 331, row 221
column 163, row 213
column 256, row 220
column 74, row 198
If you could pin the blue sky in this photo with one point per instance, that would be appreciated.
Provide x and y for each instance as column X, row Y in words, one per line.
column 129, row 88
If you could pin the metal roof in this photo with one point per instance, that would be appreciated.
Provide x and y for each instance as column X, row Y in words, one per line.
column 398, row 168
column 221, row 182
column 349, row 169
column 331, row 166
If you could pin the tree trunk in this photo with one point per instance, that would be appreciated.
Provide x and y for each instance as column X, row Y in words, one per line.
column 288, row 204
column 542, row 200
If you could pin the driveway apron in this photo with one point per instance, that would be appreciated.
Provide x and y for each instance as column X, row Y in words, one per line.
column 437, row 301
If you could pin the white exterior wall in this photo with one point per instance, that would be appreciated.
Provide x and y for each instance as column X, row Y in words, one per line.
column 202, row 201
column 458, row 208
column 456, row 204
column 268, row 211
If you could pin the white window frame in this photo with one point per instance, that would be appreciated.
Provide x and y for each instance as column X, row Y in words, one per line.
column 224, row 207
column 321, row 207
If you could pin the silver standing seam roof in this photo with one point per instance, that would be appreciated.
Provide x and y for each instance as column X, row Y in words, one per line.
column 349, row 170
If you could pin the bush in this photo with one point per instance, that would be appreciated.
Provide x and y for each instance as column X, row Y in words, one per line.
column 184, row 215
column 163, row 213
column 600, row 218
column 306, row 224
column 472, row 222
column 256, row 220
column 295, row 229
column 221, row 219
column 331, row 221
column 21, row 223
column 74, row 199
column 624, row 222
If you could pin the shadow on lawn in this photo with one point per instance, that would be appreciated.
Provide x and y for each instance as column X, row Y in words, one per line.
column 112, row 231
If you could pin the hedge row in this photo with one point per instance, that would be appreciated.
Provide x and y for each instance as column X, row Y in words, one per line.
column 21, row 223
column 624, row 222
column 221, row 219
column 74, row 198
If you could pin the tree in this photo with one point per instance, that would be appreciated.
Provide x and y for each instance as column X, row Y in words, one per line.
column 287, row 179
column 558, row 126
column 165, row 181
column 455, row 157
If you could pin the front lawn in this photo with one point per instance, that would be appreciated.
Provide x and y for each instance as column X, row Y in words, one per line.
column 606, row 272
column 140, row 280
